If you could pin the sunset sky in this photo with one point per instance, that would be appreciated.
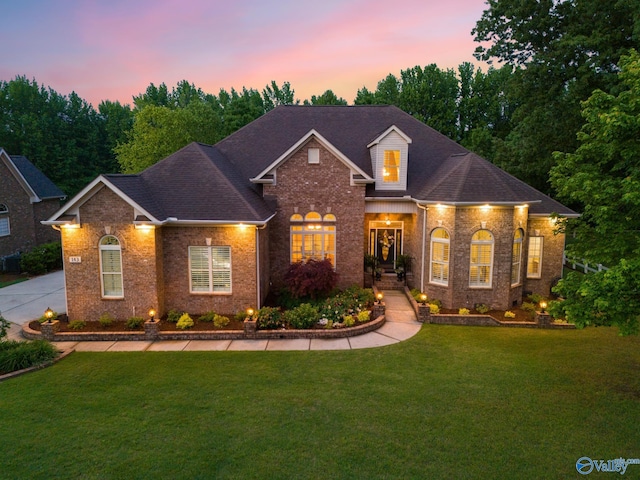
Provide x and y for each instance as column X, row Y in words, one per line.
column 112, row 50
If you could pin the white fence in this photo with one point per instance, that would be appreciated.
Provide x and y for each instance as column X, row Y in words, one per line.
column 579, row 264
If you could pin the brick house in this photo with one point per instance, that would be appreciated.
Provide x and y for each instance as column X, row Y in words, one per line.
column 215, row 227
column 27, row 197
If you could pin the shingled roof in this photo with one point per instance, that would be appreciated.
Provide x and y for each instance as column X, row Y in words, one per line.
column 37, row 184
column 201, row 183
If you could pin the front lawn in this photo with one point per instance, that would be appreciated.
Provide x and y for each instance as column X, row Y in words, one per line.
column 452, row 402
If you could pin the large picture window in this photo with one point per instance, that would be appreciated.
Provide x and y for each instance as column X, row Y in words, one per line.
column 516, row 257
column 534, row 261
column 481, row 262
column 111, row 267
column 210, row 269
column 313, row 237
column 440, row 257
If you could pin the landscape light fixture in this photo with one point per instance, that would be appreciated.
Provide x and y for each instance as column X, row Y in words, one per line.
column 152, row 314
column 543, row 306
column 423, row 298
column 379, row 297
column 48, row 313
column 250, row 312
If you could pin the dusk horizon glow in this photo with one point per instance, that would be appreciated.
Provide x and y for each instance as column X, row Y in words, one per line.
column 115, row 51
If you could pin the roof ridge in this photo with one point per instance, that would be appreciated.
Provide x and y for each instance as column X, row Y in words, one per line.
column 225, row 178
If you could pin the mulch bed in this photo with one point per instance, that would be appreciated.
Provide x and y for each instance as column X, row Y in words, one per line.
column 521, row 315
column 120, row 326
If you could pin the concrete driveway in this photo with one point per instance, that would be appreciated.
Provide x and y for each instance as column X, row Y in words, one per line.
column 25, row 301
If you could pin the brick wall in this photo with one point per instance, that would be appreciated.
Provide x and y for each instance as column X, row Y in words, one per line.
column 22, row 235
column 43, row 211
column 106, row 211
column 553, row 248
column 324, row 188
column 175, row 246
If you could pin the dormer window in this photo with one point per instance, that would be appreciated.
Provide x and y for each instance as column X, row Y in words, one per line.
column 391, row 168
column 390, row 159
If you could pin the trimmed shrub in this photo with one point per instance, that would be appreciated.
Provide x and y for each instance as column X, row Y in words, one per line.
column 184, row 322
column 509, row 314
column 220, row 321
column 303, row 316
column 134, row 323
column 269, row 318
column 4, row 327
column 106, row 319
column 42, row 259
column 77, row 324
column 18, row 355
column 434, row 308
column 207, row 317
column 463, row 311
column 348, row 321
column 173, row 316
column 482, row 308
column 364, row 316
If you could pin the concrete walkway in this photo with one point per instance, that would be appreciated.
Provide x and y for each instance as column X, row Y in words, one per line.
column 22, row 302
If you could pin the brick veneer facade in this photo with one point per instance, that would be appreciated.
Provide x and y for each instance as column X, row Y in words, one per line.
column 24, row 217
column 155, row 264
column 324, row 188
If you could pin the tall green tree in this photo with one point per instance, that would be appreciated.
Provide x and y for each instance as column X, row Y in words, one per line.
column 159, row 131
column 603, row 178
column 273, row 95
column 562, row 52
column 327, row 98
column 116, row 121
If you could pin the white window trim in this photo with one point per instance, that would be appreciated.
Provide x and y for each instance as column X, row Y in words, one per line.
column 518, row 262
column 538, row 273
column 7, row 231
column 211, row 290
column 445, row 263
column 117, row 248
column 490, row 264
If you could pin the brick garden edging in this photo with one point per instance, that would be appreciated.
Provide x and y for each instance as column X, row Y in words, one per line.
column 246, row 334
column 425, row 316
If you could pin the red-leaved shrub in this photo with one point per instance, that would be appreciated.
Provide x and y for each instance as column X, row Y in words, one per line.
column 311, row 278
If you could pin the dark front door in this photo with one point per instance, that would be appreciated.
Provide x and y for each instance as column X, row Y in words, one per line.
column 386, row 244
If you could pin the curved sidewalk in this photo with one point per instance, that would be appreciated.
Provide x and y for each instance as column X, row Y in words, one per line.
column 22, row 302
column 400, row 325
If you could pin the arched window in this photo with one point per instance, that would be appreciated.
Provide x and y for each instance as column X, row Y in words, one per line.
column 4, row 220
column 516, row 257
column 440, row 257
column 481, row 260
column 313, row 238
column 111, row 267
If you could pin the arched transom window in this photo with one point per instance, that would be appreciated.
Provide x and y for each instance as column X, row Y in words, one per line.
column 313, row 236
column 111, row 267
column 440, row 256
column 481, row 260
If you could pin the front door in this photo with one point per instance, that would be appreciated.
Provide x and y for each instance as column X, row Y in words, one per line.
column 385, row 243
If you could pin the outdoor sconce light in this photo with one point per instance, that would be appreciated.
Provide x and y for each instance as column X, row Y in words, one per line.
column 379, row 297
column 250, row 313
column 543, row 306
column 152, row 314
column 48, row 313
column 423, row 298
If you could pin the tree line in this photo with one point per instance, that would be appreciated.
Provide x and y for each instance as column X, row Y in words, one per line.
column 562, row 67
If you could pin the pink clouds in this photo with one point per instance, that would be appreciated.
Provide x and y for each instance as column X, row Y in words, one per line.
column 114, row 50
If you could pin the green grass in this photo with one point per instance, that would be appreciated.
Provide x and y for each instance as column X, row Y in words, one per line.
column 452, row 402
column 11, row 282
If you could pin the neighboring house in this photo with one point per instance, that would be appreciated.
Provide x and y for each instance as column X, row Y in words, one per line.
column 27, row 197
column 216, row 227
